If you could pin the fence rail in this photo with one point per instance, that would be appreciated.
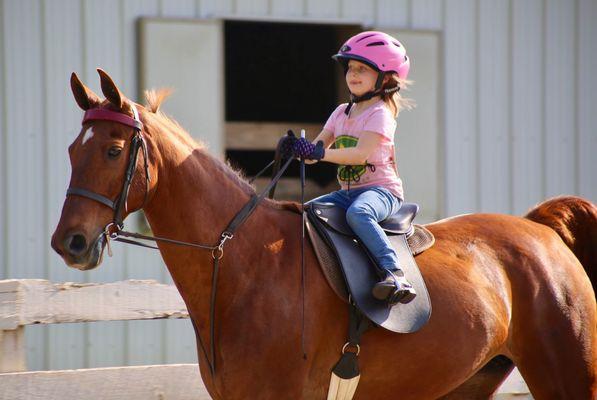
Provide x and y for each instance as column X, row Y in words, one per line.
column 35, row 301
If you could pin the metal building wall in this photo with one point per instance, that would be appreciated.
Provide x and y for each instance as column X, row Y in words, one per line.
column 519, row 125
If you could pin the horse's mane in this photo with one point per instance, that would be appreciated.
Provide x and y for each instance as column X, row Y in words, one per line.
column 155, row 98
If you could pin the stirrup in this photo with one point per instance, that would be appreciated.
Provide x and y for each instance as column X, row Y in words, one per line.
column 394, row 288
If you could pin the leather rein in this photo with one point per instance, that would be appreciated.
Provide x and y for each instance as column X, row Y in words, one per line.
column 115, row 229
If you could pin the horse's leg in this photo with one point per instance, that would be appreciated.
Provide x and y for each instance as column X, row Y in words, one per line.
column 552, row 339
column 485, row 382
column 556, row 369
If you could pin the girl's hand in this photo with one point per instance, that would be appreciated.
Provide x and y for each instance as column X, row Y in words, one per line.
column 305, row 149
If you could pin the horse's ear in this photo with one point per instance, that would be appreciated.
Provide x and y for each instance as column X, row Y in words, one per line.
column 110, row 90
column 84, row 96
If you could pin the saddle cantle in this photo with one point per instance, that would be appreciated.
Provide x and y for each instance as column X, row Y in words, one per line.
column 350, row 269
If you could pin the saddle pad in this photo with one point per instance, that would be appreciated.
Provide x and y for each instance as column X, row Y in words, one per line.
column 359, row 272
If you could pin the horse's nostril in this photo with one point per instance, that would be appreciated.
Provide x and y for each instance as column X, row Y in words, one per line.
column 76, row 244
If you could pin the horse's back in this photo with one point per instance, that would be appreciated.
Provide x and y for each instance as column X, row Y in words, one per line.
column 526, row 251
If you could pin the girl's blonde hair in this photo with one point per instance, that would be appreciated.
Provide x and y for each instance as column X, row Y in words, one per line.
column 395, row 100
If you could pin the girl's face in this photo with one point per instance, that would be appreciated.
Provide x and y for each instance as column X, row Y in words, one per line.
column 360, row 78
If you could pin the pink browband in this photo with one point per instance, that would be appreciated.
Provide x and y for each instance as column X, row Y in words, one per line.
column 99, row 113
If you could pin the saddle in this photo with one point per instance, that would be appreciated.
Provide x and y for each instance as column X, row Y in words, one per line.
column 351, row 270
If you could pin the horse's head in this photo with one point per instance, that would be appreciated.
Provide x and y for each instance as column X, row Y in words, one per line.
column 109, row 148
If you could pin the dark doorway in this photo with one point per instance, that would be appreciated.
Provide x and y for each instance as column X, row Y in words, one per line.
column 279, row 71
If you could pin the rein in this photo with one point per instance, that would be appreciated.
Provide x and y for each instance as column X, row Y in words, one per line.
column 115, row 229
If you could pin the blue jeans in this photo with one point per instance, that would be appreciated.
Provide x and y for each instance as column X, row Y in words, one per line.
column 365, row 207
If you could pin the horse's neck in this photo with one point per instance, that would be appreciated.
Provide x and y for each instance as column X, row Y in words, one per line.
column 195, row 200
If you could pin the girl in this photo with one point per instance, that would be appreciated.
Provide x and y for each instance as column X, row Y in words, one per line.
column 363, row 132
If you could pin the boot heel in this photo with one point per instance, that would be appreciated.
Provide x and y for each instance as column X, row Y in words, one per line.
column 382, row 290
column 408, row 296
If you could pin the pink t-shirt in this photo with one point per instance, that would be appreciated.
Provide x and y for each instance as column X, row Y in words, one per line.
column 380, row 169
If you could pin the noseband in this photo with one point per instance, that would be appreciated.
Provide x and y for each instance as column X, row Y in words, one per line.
column 119, row 205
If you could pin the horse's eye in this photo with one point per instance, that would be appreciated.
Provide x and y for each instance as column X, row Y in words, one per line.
column 114, row 152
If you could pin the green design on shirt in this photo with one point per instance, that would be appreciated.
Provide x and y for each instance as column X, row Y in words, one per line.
column 349, row 173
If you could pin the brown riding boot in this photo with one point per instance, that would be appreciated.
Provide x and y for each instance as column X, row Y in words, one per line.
column 394, row 288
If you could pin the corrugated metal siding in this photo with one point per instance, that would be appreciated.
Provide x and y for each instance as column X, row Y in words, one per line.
column 519, row 124
column 65, row 347
column 3, row 146
column 526, row 111
column 586, row 84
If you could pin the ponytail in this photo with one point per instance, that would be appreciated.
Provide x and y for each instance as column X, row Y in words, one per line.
column 394, row 99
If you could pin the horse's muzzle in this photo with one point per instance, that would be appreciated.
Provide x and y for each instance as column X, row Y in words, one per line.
column 78, row 252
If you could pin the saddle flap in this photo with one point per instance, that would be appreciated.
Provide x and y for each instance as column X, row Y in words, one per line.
column 359, row 275
column 335, row 218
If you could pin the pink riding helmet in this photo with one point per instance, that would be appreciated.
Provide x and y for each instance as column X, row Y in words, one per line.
column 378, row 50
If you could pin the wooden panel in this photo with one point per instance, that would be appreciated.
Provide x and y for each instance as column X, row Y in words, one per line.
column 178, row 8
column 560, row 103
column 460, row 75
column 514, row 387
column 287, row 8
column 417, row 135
column 65, row 347
column 12, row 350
column 173, row 382
column 322, row 9
column 587, row 99
column 38, row 301
column 253, row 7
column 193, row 68
column 392, row 14
column 427, row 14
column 264, row 135
column 25, row 156
column 494, row 102
column 527, row 104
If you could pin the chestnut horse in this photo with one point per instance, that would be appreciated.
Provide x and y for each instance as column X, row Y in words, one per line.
column 506, row 290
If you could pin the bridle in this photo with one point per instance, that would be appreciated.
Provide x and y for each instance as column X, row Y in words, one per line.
column 115, row 229
column 120, row 204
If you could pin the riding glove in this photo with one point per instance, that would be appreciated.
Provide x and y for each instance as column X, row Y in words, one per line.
column 307, row 150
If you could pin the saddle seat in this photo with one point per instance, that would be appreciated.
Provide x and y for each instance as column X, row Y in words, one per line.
column 400, row 223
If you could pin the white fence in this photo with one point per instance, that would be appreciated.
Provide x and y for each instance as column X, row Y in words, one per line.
column 35, row 301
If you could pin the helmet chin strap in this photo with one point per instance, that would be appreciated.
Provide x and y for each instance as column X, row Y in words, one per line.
column 369, row 95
